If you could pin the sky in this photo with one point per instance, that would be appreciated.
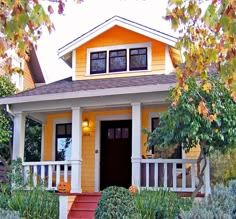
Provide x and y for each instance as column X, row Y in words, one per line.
column 80, row 18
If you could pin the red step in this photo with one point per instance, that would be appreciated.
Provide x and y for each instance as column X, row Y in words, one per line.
column 84, row 206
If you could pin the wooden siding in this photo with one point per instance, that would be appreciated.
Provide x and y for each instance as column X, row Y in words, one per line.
column 28, row 80
column 120, row 36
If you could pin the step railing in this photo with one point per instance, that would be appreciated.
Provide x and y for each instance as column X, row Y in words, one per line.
column 47, row 173
column 178, row 175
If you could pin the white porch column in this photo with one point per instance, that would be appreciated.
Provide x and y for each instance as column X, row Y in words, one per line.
column 76, row 151
column 136, row 143
column 19, row 136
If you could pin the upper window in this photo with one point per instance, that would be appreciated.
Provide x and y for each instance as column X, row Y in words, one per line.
column 126, row 58
column 63, row 142
column 98, row 62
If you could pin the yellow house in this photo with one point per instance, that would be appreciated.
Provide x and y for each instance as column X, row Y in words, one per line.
column 92, row 122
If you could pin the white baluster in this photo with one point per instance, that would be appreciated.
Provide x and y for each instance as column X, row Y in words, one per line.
column 49, row 176
column 35, row 175
column 147, row 174
column 156, row 174
column 174, row 173
column 58, row 170
column 65, row 173
column 165, row 175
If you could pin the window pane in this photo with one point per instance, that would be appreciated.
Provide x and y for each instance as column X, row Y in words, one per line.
column 138, row 59
column 98, row 63
column 117, row 61
column 61, row 129
column 155, row 123
column 118, row 133
column 63, row 149
column 125, row 133
column 68, row 129
column 110, row 133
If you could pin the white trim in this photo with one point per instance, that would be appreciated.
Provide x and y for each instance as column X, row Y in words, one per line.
column 88, row 93
column 55, row 122
column 168, row 62
column 141, row 29
column 97, row 143
column 147, row 45
column 63, row 206
column 42, row 142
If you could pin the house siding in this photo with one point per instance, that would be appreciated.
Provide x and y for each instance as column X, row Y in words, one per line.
column 88, row 140
column 28, row 80
column 119, row 36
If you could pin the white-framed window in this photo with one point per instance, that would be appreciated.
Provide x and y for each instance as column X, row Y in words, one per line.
column 118, row 59
column 62, row 139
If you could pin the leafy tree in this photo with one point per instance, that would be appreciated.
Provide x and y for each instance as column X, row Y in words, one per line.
column 33, row 132
column 6, row 88
column 204, row 116
column 207, row 38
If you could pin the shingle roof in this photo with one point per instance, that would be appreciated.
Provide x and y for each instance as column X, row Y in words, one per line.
column 67, row 85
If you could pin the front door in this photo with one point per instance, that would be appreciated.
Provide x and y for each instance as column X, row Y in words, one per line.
column 115, row 157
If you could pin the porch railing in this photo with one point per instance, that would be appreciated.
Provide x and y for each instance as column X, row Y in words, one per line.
column 178, row 175
column 47, row 173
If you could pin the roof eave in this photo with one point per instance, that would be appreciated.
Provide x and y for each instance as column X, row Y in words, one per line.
column 87, row 93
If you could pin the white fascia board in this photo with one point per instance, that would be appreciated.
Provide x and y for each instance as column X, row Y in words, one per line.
column 88, row 93
column 149, row 32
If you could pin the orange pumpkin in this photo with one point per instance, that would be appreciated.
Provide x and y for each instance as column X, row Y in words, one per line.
column 133, row 189
column 64, row 187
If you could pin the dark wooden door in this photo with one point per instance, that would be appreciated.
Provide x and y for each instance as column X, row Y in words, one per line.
column 115, row 157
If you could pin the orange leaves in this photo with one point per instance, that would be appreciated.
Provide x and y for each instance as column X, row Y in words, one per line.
column 207, row 87
column 202, row 109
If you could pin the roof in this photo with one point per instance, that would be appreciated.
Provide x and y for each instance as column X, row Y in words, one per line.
column 67, row 88
column 35, row 68
column 122, row 22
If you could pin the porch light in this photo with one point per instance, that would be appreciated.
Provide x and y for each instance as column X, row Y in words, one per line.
column 85, row 123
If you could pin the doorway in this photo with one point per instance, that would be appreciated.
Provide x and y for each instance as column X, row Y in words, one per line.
column 115, row 157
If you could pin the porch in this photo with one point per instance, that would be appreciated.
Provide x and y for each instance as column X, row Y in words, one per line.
column 178, row 175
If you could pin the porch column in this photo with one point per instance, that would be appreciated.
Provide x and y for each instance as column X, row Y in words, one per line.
column 19, row 136
column 76, row 150
column 136, row 144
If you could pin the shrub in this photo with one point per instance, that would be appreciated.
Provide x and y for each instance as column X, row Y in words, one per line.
column 6, row 214
column 116, row 202
column 4, row 195
column 223, row 166
column 220, row 204
column 34, row 204
column 160, row 204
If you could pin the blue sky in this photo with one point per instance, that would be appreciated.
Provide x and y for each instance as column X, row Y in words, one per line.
column 80, row 18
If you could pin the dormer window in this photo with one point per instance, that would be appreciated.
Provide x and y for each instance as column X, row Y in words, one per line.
column 118, row 59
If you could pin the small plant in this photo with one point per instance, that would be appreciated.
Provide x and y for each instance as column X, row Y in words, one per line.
column 4, row 195
column 116, row 202
column 6, row 214
column 160, row 204
column 220, row 204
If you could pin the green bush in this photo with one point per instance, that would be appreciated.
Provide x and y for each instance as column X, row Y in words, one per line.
column 223, row 167
column 4, row 195
column 220, row 204
column 6, row 214
column 160, row 204
column 34, row 204
column 116, row 202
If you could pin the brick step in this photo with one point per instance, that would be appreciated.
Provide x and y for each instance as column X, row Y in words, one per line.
column 84, row 206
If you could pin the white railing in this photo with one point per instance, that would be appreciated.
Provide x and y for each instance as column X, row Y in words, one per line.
column 48, row 173
column 178, row 175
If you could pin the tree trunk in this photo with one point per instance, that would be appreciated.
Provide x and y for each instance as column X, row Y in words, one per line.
column 200, row 171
